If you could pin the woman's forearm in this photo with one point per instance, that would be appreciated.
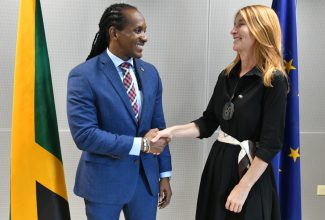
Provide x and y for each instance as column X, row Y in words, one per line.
column 238, row 195
column 187, row 130
column 254, row 172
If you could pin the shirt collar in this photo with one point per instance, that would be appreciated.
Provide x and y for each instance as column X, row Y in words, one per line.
column 116, row 60
column 254, row 71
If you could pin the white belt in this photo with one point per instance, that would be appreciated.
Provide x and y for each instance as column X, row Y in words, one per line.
column 245, row 146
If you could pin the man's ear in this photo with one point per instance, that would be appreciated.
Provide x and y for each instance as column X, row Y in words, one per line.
column 112, row 32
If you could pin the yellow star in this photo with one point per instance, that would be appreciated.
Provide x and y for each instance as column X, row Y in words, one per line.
column 288, row 66
column 294, row 153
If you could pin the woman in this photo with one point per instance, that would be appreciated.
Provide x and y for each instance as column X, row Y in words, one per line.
column 248, row 103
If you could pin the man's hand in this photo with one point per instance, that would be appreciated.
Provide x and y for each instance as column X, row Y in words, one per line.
column 165, row 193
column 158, row 146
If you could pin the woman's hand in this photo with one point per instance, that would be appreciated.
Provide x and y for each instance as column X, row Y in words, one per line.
column 237, row 198
column 238, row 195
column 166, row 133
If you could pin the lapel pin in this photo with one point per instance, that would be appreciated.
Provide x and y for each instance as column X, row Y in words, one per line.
column 141, row 68
column 240, row 96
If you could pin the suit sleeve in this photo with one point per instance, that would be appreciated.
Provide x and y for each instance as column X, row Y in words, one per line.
column 83, row 122
column 158, row 121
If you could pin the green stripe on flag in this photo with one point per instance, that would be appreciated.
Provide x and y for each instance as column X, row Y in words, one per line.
column 46, row 127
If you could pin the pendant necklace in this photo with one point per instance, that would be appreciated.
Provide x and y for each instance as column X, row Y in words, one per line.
column 229, row 108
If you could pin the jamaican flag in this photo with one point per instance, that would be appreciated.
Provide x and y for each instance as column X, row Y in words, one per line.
column 37, row 185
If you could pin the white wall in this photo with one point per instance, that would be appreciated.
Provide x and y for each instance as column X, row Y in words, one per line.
column 311, row 44
column 189, row 41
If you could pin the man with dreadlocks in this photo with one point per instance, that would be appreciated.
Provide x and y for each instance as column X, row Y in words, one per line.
column 114, row 107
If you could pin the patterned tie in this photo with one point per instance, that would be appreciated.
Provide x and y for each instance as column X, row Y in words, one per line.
column 129, row 87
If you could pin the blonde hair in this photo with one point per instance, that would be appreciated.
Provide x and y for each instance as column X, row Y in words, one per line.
column 263, row 23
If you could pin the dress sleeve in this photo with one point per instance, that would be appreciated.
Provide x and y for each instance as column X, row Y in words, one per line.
column 208, row 123
column 273, row 121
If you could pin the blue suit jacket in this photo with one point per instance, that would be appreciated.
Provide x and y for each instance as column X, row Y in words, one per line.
column 103, row 126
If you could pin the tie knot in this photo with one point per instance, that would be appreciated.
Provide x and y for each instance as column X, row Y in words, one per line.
column 125, row 66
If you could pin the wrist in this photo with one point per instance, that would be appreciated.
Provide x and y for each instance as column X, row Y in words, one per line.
column 145, row 146
column 165, row 178
column 141, row 148
column 245, row 184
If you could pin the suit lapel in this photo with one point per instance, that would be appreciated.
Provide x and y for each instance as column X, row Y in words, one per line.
column 110, row 71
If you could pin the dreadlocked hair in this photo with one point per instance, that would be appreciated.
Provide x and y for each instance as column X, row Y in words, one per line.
column 112, row 16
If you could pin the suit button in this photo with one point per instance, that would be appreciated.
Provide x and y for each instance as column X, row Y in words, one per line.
column 136, row 161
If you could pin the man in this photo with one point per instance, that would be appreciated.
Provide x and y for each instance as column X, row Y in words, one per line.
column 114, row 107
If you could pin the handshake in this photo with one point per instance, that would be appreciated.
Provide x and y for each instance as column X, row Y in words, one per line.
column 155, row 141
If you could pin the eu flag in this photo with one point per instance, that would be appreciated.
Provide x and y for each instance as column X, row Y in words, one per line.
column 287, row 163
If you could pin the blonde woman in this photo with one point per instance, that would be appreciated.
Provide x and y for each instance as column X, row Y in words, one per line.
column 248, row 104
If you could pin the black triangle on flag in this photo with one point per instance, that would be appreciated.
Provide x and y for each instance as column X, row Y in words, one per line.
column 50, row 206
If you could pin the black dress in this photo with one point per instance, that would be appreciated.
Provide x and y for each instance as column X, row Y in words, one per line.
column 259, row 116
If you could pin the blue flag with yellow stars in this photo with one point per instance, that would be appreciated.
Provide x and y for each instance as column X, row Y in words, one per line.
column 287, row 163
